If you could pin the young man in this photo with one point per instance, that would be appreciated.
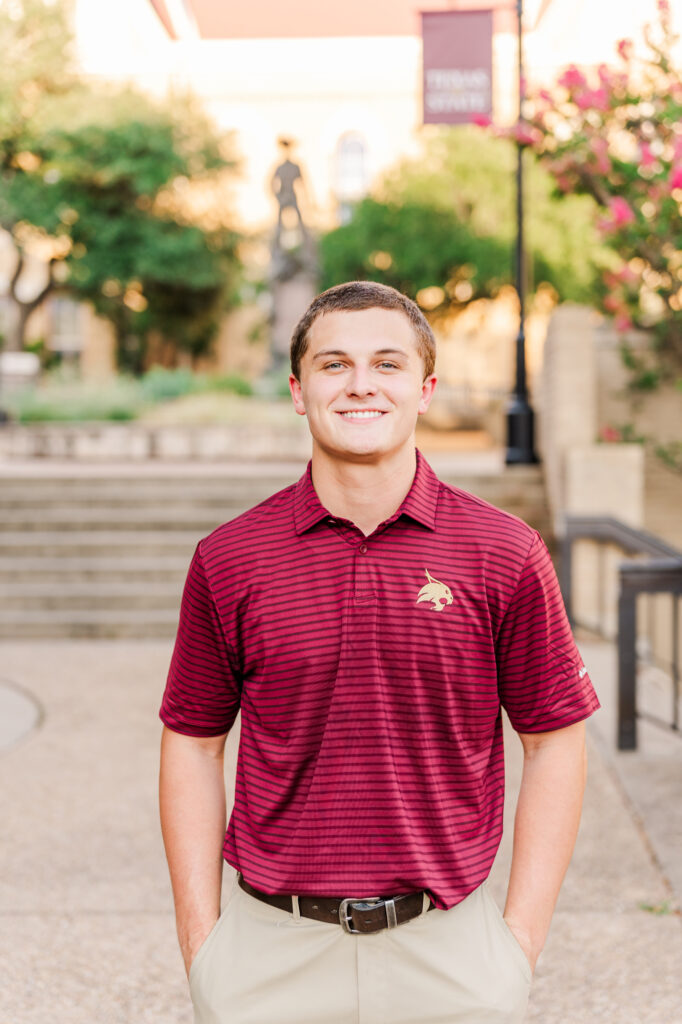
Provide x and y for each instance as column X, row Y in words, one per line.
column 370, row 622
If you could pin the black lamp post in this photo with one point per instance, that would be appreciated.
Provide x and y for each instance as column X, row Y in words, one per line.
column 520, row 424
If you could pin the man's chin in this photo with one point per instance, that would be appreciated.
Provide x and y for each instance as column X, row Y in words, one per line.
column 358, row 452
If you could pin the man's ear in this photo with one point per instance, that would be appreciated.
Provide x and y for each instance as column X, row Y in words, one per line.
column 296, row 394
column 428, row 387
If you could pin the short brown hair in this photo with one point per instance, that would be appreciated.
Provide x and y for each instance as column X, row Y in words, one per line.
column 363, row 295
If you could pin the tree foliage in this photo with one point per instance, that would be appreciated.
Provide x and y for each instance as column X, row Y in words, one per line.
column 36, row 43
column 446, row 221
column 426, row 252
column 122, row 197
column 616, row 135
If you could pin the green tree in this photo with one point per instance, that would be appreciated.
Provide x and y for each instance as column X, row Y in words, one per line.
column 36, row 42
column 458, row 229
column 37, row 73
column 107, row 192
column 426, row 252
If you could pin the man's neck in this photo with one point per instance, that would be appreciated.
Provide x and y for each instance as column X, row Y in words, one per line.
column 366, row 493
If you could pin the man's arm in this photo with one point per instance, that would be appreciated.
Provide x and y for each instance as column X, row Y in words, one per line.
column 545, row 830
column 192, row 806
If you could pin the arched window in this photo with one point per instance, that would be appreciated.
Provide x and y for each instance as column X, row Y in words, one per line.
column 67, row 334
column 351, row 176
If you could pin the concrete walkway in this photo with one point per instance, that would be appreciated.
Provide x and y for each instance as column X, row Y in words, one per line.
column 86, row 920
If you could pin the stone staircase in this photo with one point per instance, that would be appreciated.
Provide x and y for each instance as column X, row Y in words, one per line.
column 102, row 551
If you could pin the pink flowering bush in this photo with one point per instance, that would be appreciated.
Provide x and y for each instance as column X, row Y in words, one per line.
column 616, row 134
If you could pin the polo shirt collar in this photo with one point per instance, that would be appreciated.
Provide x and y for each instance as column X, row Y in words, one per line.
column 308, row 509
column 420, row 502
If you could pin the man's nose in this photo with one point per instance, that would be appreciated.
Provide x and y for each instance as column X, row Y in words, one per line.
column 361, row 382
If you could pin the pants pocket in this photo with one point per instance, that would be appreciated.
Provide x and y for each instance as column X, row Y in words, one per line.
column 513, row 944
column 205, row 946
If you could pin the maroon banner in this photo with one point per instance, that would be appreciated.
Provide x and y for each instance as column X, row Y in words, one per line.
column 458, row 66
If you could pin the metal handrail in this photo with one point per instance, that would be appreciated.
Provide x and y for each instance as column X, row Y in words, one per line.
column 662, row 574
column 607, row 530
column 657, row 576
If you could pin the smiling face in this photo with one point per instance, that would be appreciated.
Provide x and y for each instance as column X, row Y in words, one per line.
column 362, row 383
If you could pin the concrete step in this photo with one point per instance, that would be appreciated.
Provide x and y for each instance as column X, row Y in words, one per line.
column 95, row 594
column 231, row 494
column 27, row 493
column 162, row 515
column 104, row 551
column 92, row 567
column 98, row 543
column 93, row 623
column 166, row 515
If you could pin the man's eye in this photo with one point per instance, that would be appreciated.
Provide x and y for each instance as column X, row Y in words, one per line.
column 389, row 364
column 332, row 366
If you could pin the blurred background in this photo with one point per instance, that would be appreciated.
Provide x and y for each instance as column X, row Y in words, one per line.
column 178, row 179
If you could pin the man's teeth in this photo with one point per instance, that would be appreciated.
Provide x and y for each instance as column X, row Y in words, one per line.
column 369, row 415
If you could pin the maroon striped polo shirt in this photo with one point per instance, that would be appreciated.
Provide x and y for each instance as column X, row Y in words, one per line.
column 370, row 673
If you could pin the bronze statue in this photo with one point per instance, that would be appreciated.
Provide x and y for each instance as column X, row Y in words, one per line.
column 283, row 184
column 294, row 263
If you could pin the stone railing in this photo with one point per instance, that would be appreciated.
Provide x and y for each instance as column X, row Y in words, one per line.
column 137, row 443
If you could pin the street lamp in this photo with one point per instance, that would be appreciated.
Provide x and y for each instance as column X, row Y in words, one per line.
column 520, row 420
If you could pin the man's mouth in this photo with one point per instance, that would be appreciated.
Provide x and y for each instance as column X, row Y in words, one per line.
column 362, row 414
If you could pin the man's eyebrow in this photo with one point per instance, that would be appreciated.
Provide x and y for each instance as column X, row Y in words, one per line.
column 339, row 352
column 329, row 352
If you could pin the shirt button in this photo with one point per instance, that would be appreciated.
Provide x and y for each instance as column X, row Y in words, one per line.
column 363, row 549
column 332, row 521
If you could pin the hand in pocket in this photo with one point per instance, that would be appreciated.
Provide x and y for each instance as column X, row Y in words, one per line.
column 196, row 944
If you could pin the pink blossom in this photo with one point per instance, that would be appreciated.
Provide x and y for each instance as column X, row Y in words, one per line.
column 526, row 135
column 604, row 74
column 482, row 120
column 621, row 212
column 612, row 303
column 657, row 192
column 546, row 96
column 677, row 151
column 615, row 279
column 600, row 148
column 675, row 180
column 623, row 323
column 572, row 78
column 592, row 99
column 646, row 157
column 610, row 434
column 663, row 6
column 627, row 275
column 625, row 48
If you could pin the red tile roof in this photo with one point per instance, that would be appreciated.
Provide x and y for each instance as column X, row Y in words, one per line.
column 225, row 19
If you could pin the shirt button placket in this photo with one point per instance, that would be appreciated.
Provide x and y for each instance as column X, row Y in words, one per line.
column 362, row 587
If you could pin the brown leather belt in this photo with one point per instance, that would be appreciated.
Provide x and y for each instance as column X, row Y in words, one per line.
column 355, row 915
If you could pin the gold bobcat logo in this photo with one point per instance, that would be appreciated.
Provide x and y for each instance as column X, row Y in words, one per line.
column 436, row 592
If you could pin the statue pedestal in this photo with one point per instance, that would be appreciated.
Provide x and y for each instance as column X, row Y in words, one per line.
column 290, row 299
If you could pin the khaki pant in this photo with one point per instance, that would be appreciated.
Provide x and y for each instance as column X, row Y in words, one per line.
column 262, row 965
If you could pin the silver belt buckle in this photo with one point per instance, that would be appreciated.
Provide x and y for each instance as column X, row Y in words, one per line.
column 365, row 903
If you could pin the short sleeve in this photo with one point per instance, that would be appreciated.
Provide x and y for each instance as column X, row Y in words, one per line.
column 203, row 691
column 542, row 682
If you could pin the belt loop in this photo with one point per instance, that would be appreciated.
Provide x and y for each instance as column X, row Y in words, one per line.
column 295, row 908
column 426, row 902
